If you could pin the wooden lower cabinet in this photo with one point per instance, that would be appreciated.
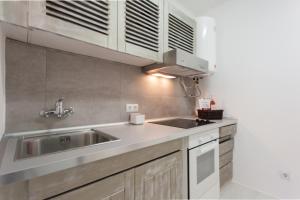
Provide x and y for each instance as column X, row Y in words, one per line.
column 160, row 179
column 226, row 146
column 117, row 187
column 225, row 159
column 153, row 172
column 226, row 174
column 228, row 131
column 226, row 134
column 15, row 191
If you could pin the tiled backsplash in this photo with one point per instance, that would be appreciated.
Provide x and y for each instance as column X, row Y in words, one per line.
column 97, row 89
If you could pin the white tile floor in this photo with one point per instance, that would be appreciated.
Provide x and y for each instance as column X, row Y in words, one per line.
column 236, row 191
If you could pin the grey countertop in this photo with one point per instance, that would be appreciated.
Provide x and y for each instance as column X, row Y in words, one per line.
column 132, row 137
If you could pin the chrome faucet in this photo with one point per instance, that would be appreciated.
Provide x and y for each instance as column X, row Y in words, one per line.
column 59, row 111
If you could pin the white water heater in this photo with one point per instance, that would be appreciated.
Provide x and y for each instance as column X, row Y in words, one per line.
column 206, row 41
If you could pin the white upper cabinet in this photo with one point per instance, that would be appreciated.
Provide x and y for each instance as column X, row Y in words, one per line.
column 179, row 29
column 14, row 12
column 14, row 19
column 88, row 21
column 135, row 32
column 140, row 28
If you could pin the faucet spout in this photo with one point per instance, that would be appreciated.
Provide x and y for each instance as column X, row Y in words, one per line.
column 59, row 107
column 59, row 111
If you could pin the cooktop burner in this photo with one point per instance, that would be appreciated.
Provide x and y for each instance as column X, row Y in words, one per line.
column 183, row 123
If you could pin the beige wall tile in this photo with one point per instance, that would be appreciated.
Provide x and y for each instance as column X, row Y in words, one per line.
column 91, row 86
column 97, row 89
column 25, row 86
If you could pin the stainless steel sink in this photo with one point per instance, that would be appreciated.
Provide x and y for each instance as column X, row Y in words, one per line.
column 33, row 146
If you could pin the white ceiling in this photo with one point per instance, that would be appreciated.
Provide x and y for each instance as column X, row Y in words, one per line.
column 198, row 7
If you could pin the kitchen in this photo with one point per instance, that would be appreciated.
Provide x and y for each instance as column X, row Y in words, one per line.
column 103, row 99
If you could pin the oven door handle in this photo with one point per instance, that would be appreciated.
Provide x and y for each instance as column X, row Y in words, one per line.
column 206, row 147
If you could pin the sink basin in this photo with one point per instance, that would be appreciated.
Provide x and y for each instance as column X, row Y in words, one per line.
column 33, row 146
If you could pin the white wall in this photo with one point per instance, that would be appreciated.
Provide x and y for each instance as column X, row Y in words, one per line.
column 2, row 81
column 197, row 7
column 182, row 7
column 258, row 81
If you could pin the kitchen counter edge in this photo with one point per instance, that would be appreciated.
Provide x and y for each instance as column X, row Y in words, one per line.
column 30, row 173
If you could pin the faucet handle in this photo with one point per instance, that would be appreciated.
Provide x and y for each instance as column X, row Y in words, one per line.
column 46, row 114
column 43, row 113
column 70, row 111
column 61, row 99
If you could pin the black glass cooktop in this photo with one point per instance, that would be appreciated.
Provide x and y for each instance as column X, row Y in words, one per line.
column 183, row 123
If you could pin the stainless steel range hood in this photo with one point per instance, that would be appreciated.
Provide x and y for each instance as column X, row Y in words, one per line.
column 179, row 63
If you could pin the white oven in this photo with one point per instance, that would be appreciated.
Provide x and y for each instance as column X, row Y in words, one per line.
column 203, row 164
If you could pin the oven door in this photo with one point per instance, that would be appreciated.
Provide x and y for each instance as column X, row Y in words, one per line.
column 204, row 170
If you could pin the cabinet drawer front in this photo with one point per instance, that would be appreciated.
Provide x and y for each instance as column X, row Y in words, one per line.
column 14, row 191
column 228, row 130
column 225, row 159
column 226, row 173
column 226, row 146
column 114, row 187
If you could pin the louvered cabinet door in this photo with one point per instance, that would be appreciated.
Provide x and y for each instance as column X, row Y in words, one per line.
column 140, row 28
column 92, row 21
column 179, row 29
column 160, row 179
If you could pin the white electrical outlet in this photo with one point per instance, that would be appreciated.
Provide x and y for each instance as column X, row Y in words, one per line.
column 132, row 108
column 285, row 176
column 135, row 107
